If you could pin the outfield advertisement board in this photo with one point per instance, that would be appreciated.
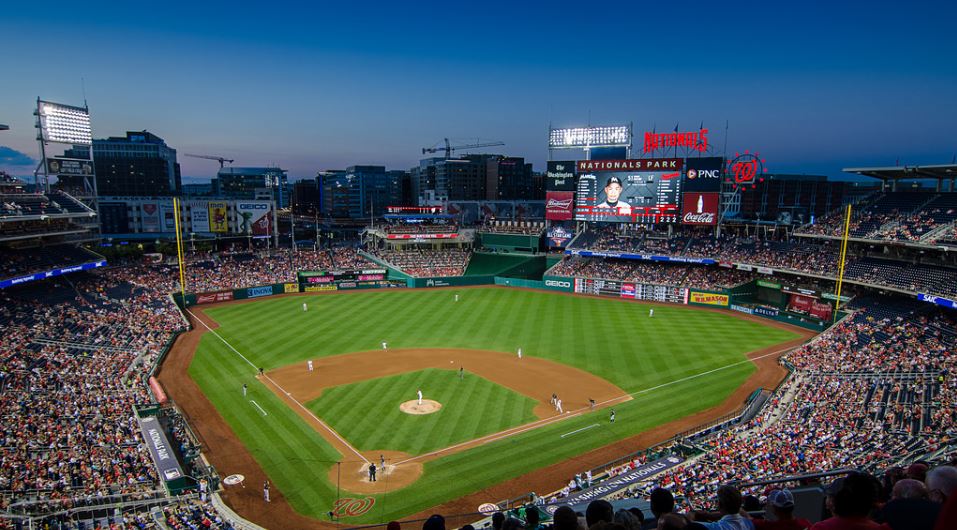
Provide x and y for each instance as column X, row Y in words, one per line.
column 256, row 292
column 708, row 298
column 209, row 298
column 290, row 287
column 318, row 288
column 558, row 283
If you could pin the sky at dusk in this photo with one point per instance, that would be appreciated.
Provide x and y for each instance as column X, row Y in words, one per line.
column 813, row 86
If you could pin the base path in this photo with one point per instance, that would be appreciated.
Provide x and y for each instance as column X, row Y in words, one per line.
column 530, row 376
column 229, row 455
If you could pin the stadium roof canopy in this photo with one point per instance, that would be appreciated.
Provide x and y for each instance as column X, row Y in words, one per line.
column 938, row 172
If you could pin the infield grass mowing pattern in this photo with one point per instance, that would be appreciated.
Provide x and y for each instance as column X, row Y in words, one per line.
column 367, row 413
column 613, row 339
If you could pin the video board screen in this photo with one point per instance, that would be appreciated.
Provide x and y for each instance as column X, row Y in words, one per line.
column 634, row 290
column 629, row 191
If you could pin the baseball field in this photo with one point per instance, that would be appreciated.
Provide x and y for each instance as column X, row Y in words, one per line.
column 487, row 417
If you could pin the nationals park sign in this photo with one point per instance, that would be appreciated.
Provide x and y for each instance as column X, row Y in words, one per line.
column 616, row 484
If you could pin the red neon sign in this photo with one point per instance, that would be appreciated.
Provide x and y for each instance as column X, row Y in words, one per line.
column 746, row 170
column 697, row 141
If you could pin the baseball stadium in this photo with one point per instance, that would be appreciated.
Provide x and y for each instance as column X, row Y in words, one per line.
column 435, row 364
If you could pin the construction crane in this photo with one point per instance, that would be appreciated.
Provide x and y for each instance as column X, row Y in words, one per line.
column 449, row 148
column 222, row 161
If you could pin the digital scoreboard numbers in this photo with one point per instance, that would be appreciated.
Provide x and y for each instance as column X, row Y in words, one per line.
column 629, row 191
column 631, row 290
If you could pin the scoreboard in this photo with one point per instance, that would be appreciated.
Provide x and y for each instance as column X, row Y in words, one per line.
column 629, row 191
column 632, row 290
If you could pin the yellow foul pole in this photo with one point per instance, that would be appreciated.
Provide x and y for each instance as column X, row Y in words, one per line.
column 840, row 276
column 179, row 250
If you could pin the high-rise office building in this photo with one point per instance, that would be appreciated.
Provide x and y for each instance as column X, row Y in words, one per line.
column 139, row 164
column 252, row 183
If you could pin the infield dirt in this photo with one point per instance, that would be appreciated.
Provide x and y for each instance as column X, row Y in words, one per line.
column 224, row 450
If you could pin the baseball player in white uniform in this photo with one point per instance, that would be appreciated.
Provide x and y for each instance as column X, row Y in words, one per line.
column 519, row 353
column 456, row 298
column 558, row 406
column 385, row 346
column 651, row 312
column 419, row 393
column 304, row 307
column 309, row 364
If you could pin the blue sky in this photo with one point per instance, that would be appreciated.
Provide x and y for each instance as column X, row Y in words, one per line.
column 812, row 86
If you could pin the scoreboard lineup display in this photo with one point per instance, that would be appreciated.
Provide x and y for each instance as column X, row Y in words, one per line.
column 629, row 191
column 637, row 291
column 337, row 277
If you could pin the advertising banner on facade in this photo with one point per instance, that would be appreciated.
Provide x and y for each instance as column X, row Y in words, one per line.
column 199, row 215
column 699, row 297
column 703, row 174
column 560, row 176
column 217, row 218
column 168, row 216
column 150, row 217
column 253, row 217
column 559, row 205
column 559, row 236
column 291, row 288
column 699, row 208
column 256, row 292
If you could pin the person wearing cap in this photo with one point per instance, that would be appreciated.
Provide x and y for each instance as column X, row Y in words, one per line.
column 781, row 506
column 613, row 190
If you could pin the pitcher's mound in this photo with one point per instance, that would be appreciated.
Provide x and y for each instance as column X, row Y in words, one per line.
column 428, row 406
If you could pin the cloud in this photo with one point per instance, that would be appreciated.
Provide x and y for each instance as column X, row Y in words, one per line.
column 11, row 157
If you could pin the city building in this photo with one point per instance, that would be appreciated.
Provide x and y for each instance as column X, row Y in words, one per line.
column 139, row 164
column 510, row 178
column 475, row 178
column 360, row 191
column 261, row 183
column 306, row 197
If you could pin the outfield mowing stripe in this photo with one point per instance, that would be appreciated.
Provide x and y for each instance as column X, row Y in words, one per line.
column 578, row 412
column 281, row 389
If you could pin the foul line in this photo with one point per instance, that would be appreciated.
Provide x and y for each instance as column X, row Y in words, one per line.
column 258, row 407
column 541, row 423
column 283, row 390
column 580, row 430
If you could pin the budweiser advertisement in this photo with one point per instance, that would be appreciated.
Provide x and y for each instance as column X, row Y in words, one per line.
column 559, row 205
column 700, row 208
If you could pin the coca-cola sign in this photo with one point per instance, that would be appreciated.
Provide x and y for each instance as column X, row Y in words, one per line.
column 699, row 208
column 559, row 205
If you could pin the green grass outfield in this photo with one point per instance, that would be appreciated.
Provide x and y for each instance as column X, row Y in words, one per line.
column 366, row 413
column 697, row 355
